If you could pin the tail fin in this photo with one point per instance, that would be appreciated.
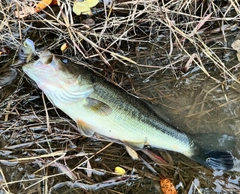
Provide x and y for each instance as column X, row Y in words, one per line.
column 220, row 160
column 215, row 152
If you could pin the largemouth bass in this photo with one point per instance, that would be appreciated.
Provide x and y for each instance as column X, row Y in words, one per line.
column 99, row 107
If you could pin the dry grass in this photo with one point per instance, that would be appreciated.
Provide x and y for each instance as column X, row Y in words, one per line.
column 133, row 44
column 186, row 32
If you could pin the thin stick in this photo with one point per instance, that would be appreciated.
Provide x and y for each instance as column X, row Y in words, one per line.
column 47, row 116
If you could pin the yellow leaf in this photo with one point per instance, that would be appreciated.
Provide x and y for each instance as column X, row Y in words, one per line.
column 120, row 170
column 81, row 7
column 84, row 6
column 92, row 3
column 64, row 47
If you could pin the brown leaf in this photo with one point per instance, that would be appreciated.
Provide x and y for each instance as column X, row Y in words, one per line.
column 167, row 186
column 42, row 5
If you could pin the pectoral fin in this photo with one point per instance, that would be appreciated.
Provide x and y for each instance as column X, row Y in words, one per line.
column 87, row 129
column 98, row 107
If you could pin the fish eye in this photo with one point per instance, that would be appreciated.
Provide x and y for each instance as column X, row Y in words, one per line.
column 64, row 60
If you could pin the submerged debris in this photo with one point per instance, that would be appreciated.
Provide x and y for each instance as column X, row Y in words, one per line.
column 7, row 76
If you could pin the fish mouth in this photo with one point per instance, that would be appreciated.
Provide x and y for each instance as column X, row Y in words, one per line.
column 44, row 65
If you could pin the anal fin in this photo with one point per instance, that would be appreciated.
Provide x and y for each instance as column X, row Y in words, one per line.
column 86, row 128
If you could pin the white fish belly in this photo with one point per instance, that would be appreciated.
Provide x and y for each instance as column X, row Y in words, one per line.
column 120, row 126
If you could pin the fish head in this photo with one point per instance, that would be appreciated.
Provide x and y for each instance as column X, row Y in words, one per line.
column 51, row 72
column 59, row 78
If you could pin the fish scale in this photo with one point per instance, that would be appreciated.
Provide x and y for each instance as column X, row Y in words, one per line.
column 146, row 124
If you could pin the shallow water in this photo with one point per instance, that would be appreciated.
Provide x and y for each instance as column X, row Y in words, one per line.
column 196, row 103
column 191, row 101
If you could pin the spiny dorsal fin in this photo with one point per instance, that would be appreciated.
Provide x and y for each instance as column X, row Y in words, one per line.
column 98, row 107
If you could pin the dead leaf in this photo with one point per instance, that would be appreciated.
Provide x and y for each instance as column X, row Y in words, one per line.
column 89, row 169
column 42, row 5
column 4, row 51
column 29, row 10
column 64, row 47
column 89, row 22
column 238, row 56
column 83, row 7
column 236, row 46
column 167, row 186
column 55, row 2
column 119, row 170
column 7, row 76
column 132, row 153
